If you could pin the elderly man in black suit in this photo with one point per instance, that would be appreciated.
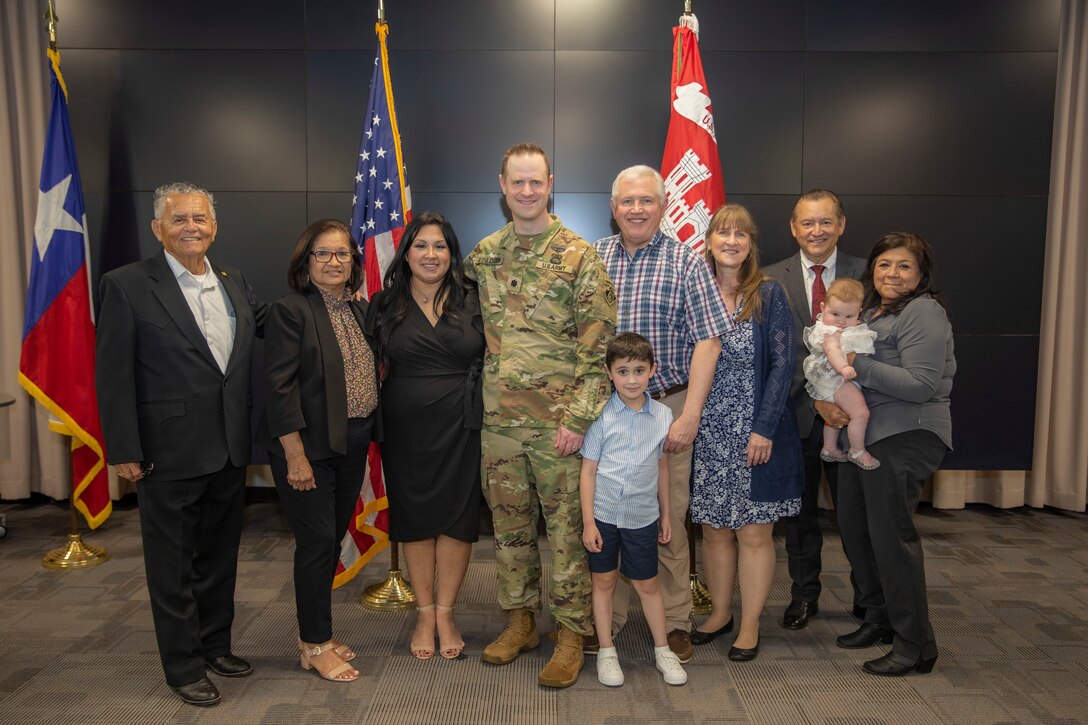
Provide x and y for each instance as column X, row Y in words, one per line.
column 817, row 223
column 174, row 351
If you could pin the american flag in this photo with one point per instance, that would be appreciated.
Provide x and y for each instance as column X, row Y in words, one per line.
column 382, row 205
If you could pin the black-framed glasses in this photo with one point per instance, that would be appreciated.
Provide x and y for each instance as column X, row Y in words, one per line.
column 324, row 256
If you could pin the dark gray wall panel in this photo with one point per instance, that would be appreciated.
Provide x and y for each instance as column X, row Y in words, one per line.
column 982, row 244
column 920, row 123
column 612, row 111
column 993, row 402
column 455, row 110
column 221, row 119
column 238, row 24
column 648, row 24
column 758, row 101
column 977, row 25
column 425, row 24
column 257, row 231
column 589, row 215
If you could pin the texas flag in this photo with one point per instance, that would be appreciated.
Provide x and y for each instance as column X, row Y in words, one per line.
column 691, row 168
column 57, row 362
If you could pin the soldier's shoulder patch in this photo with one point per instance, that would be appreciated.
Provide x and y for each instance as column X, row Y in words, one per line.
column 609, row 292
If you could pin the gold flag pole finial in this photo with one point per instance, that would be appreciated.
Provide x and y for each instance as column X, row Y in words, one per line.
column 52, row 19
column 381, row 11
column 687, row 7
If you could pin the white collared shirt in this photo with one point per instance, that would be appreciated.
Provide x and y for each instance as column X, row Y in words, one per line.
column 828, row 273
column 212, row 310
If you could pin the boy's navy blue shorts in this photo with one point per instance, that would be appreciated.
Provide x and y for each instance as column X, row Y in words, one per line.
column 635, row 550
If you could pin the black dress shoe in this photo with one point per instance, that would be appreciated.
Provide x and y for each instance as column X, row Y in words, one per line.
column 229, row 666
column 866, row 636
column 201, row 693
column 700, row 637
column 859, row 612
column 798, row 613
column 743, row 655
column 892, row 665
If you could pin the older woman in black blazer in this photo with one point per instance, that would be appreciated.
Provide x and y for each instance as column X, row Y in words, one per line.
column 907, row 382
column 321, row 414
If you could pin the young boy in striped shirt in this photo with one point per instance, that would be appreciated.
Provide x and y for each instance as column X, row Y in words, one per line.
column 624, row 489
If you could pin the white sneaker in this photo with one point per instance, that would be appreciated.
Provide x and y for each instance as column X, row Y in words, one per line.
column 608, row 668
column 668, row 664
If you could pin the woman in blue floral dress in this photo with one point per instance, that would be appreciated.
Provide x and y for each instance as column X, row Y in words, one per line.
column 747, row 470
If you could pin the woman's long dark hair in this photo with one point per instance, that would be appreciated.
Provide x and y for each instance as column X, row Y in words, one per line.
column 922, row 252
column 393, row 304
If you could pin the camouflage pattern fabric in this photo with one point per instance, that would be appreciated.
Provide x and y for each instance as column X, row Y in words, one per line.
column 549, row 312
column 520, row 467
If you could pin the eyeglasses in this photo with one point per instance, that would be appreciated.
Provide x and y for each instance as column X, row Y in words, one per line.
column 325, row 256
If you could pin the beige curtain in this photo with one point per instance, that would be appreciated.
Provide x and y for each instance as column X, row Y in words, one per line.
column 1060, row 475
column 31, row 457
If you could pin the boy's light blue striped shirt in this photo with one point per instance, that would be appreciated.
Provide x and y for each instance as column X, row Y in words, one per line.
column 627, row 445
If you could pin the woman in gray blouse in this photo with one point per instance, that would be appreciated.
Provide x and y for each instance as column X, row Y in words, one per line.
column 907, row 381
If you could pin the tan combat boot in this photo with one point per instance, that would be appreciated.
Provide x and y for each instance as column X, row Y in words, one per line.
column 519, row 636
column 566, row 662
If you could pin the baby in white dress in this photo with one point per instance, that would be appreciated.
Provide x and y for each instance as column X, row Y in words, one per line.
column 839, row 331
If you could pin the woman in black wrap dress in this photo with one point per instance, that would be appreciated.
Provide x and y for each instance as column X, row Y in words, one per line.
column 430, row 341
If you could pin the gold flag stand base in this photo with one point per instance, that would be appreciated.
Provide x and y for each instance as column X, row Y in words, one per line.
column 392, row 594
column 700, row 597
column 76, row 555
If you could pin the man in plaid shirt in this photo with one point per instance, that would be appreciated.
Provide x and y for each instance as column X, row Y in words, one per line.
column 667, row 294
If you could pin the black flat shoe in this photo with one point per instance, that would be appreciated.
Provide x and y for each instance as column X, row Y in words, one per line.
column 743, row 655
column 798, row 613
column 866, row 636
column 891, row 665
column 201, row 693
column 229, row 666
column 700, row 637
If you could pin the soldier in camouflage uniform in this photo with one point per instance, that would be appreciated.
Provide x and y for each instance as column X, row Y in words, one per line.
column 549, row 312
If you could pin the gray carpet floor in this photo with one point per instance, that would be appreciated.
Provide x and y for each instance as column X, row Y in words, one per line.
column 1008, row 594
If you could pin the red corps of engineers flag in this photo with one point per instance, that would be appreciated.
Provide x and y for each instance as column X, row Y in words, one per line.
column 381, row 207
column 691, row 167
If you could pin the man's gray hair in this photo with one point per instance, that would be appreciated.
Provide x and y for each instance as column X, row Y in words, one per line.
column 176, row 188
column 637, row 172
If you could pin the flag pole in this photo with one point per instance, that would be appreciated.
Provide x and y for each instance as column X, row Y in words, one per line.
column 75, row 554
column 700, row 596
column 395, row 592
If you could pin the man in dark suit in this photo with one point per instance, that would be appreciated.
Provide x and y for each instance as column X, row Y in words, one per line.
column 174, row 351
column 817, row 223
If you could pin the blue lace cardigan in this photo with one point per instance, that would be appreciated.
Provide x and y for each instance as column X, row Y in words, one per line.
column 783, row 476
